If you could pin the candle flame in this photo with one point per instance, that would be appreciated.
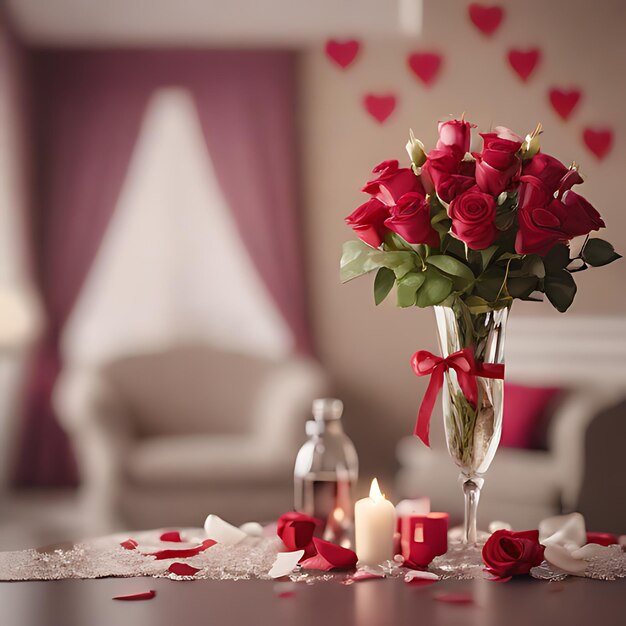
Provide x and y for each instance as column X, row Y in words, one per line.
column 375, row 492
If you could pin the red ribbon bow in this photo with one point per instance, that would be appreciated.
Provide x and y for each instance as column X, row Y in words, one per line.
column 425, row 363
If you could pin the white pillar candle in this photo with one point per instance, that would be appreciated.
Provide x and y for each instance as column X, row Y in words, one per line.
column 374, row 527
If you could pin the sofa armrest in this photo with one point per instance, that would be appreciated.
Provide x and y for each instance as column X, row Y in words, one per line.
column 567, row 437
column 97, row 423
column 283, row 405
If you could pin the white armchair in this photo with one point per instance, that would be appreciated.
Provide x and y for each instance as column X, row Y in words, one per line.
column 585, row 355
column 165, row 438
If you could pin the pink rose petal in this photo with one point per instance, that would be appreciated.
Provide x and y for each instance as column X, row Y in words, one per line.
column 330, row 556
column 145, row 595
column 182, row 569
column 365, row 574
column 171, row 535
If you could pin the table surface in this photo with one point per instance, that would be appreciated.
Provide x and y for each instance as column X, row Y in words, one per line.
column 520, row 602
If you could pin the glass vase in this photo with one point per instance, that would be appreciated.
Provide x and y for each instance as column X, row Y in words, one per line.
column 472, row 432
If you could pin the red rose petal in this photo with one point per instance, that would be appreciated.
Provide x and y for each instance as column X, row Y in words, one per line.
column 145, row 595
column 602, row 539
column 330, row 556
column 171, row 535
column 182, row 569
column 183, row 553
column 361, row 575
column 129, row 544
column 455, row 598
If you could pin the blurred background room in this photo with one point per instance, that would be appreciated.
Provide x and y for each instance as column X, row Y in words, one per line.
column 174, row 177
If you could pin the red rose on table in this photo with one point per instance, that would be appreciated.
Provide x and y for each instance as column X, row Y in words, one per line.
column 455, row 133
column 368, row 222
column 473, row 216
column 392, row 182
column 509, row 553
column 296, row 531
column 410, row 219
column 498, row 165
column 440, row 165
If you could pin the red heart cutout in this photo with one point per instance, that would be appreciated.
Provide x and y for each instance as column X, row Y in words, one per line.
column 486, row 18
column 425, row 65
column 524, row 62
column 598, row 141
column 342, row 53
column 564, row 102
column 380, row 107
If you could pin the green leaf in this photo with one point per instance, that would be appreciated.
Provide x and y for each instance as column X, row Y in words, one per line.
column 560, row 289
column 435, row 289
column 451, row 266
column 477, row 305
column 522, row 286
column 556, row 259
column 489, row 283
column 487, row 254
column 384, row 281
column 598, row 252
column 358, row 258
column 408, row 286
column 505, row 219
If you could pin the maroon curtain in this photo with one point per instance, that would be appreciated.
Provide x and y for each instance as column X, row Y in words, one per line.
column 86, row 116
column 247, row 107
column 88, row 108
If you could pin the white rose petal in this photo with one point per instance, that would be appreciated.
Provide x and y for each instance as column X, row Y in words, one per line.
column 222, row 532
column 252, row 529
column 285, row 563
column 562, row 558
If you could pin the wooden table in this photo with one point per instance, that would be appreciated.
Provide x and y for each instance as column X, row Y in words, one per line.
column 521, row 602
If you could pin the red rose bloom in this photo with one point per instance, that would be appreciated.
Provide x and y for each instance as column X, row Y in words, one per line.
column 580, row 218
column 392, row 182
column 509, row 553
column 368, row 222
column 455, row 133
column 454, row 185
column 547, row 169
column 473, row 216
column 440, row 164
column 410, row 218
column 296, row 531
column 498, row 165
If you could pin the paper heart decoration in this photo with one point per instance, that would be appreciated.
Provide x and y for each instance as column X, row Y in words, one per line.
column 564, row 101
column 524, row 62
column 425, row 65
column 486, row 18
column 599, row 141
column 342, row 53
column 380, row 107
column 330, row 556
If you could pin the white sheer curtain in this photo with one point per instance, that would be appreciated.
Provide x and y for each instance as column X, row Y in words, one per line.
column 172, row 266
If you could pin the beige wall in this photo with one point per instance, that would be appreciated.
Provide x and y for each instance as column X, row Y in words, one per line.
column 367, row 349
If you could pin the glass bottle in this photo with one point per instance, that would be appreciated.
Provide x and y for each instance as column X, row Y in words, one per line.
column 326, row 470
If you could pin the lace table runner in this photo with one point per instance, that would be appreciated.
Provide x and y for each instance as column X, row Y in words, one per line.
column 251, row 558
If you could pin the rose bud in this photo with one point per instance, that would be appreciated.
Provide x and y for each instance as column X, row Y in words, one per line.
column 368, row 222
column 410, row 219
column 473, row 216
column 392, row 182
column 440, row 164
column 498, row 164
column 531, row 145
column 416, row 151
column 509, row 553
column 455, row 133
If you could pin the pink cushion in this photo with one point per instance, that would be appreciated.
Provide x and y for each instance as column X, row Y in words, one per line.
column 524, row 413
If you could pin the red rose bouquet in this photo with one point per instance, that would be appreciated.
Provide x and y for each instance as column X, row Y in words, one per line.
column 468, row 233
column 482, row 228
